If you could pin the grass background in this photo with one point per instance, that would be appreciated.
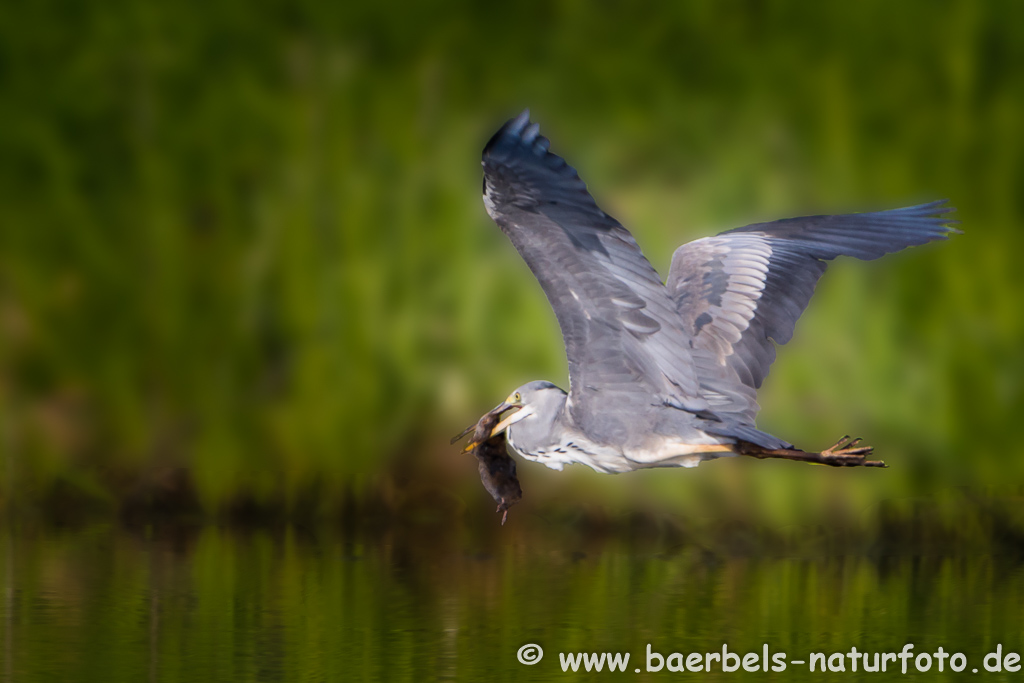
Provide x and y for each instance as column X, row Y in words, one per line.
column 244, row 264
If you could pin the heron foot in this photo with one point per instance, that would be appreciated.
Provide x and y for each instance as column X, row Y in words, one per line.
column 847, row 446
column 847, row 452
column 843, row 453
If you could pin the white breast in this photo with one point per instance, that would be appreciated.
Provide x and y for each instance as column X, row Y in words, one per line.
column 577, row 449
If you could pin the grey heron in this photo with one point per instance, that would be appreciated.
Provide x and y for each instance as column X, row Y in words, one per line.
column 663, row 373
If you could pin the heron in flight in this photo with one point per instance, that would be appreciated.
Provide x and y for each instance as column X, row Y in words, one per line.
column 663, row 374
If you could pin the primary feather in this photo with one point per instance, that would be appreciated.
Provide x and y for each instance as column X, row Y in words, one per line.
column 742, row 290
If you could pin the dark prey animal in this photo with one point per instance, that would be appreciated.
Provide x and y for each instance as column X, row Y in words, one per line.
column 496, row 466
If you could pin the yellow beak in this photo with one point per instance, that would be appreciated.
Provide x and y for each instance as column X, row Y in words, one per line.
column 518, row 415
column 522, row 412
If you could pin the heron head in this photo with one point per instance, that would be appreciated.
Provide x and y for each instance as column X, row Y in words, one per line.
column 529, row 399
column 535, row 398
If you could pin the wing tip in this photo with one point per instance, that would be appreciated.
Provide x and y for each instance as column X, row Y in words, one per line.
column 517, row 124
column 938, row 211
column 512, row 130
column 520, row 133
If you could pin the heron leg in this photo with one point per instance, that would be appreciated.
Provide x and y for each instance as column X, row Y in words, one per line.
column 843, row 453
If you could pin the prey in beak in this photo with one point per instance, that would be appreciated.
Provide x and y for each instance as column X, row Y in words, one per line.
column 509, row 403
column 496, row 467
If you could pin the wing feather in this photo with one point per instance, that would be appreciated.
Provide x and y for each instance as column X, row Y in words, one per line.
column 621, row 329
column 741, row 292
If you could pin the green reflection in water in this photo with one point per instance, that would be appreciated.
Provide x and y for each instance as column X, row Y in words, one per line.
column 214, row 605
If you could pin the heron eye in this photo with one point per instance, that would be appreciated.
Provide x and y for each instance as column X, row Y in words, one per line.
column 517, row 398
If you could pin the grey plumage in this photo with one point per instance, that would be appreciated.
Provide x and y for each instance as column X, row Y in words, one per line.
column 662, row 374
column 745, row 288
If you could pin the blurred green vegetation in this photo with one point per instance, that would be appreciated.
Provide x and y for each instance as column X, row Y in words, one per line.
column 243, row 253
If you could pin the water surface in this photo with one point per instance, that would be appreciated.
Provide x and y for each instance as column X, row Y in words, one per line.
column 214, row 604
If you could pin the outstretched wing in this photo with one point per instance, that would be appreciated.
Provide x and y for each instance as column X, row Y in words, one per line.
column 623, row 337
column 739, row 291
